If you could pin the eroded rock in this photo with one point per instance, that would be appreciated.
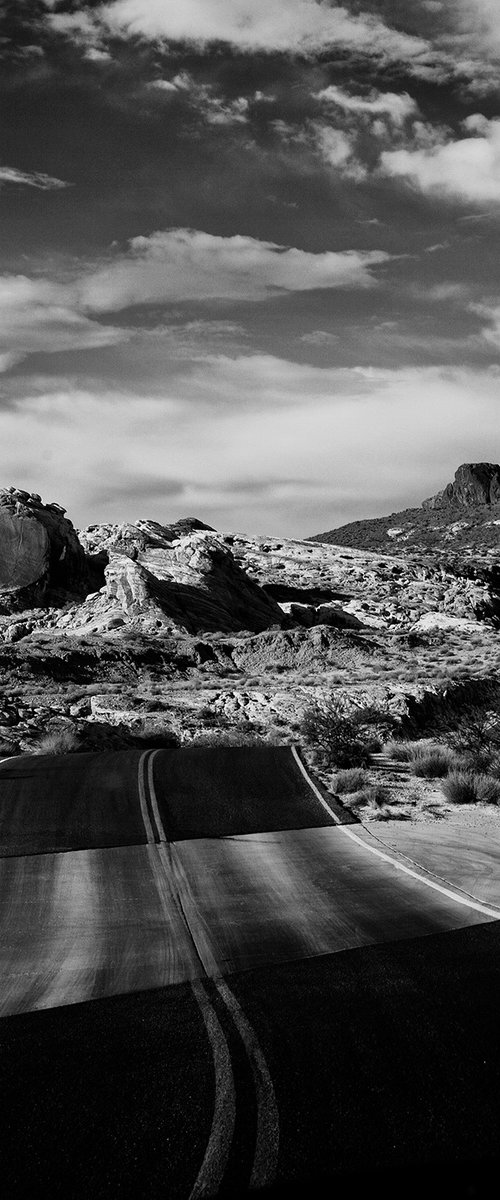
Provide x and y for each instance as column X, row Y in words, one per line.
column 40, row 555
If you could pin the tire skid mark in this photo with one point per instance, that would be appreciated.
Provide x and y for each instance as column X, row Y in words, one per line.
column 267, row 1136
column 216, row 1156
column 190, row 913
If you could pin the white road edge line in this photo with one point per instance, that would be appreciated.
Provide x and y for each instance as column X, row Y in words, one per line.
column 437, row 887
column 467, row 902
column 211, row 1172
column 154, row 801
column 312, row 785
column 141, row 783
column 267, row 1138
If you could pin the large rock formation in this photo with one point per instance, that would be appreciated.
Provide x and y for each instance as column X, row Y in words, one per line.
column 192, row 583
column 41, row 559
column 474, row 483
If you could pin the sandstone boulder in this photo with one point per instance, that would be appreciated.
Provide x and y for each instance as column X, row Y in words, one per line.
column 40, row 555
column 444, row 621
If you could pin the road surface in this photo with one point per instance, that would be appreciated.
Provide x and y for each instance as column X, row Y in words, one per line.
column 274, row 994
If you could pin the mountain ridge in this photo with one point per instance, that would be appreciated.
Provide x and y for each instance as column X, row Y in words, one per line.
column 462, row 519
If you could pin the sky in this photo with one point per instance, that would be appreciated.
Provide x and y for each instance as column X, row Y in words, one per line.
column 249, row 256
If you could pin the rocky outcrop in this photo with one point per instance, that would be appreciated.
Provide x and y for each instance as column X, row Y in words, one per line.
column 192, row 584
column 474, row 484
column 135, row 537
column 41, row 559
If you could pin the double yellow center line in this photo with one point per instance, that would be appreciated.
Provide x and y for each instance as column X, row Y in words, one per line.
column 150, row 812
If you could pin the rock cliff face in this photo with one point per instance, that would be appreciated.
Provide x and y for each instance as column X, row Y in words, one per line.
column 474, row 484
column 41, row 558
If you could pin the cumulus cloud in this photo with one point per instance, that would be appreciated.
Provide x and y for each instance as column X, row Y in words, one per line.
column 284, row 25
column 466, row 169
column 39, row 316
column 183, row 264
column 371, row 440
column 396, row 107
column 36, row 179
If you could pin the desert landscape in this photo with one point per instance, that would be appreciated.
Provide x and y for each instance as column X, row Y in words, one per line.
column 249, row 598
column 379, row 653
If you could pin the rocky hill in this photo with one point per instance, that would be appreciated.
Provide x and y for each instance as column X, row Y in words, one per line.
column 461, row 521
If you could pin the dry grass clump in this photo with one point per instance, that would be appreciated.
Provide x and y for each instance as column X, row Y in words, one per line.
column 57, row 741
column 376, row 795
column 353, row 779
column 402, row 750
column 471, row 787
column 432, row 762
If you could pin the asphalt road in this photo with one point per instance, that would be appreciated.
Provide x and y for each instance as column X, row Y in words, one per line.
column 380, row 1063
column 192, row 1015
column 125, row 798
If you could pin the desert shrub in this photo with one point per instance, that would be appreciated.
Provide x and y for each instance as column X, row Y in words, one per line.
column 469, row 787
column 375, row 794
column 477, row 738
column 373, row 803
column 57, row 741
column 337, row 739
column 432, row 763
column 350, row 780
column 488, row 789
column 399, row 750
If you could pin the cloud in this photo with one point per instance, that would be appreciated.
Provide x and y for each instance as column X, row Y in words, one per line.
column 183, row 264
column 467, row 169
column 305, row 26
column 371, row 441
column 39, row 316
column 213, row 108
column 36, row 179
column 478, row 22
column 337, row 150
column 321, row 337
column 491, row 314
column 396, row 107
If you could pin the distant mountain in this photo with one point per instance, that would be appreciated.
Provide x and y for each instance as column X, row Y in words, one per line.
column 463, row 519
